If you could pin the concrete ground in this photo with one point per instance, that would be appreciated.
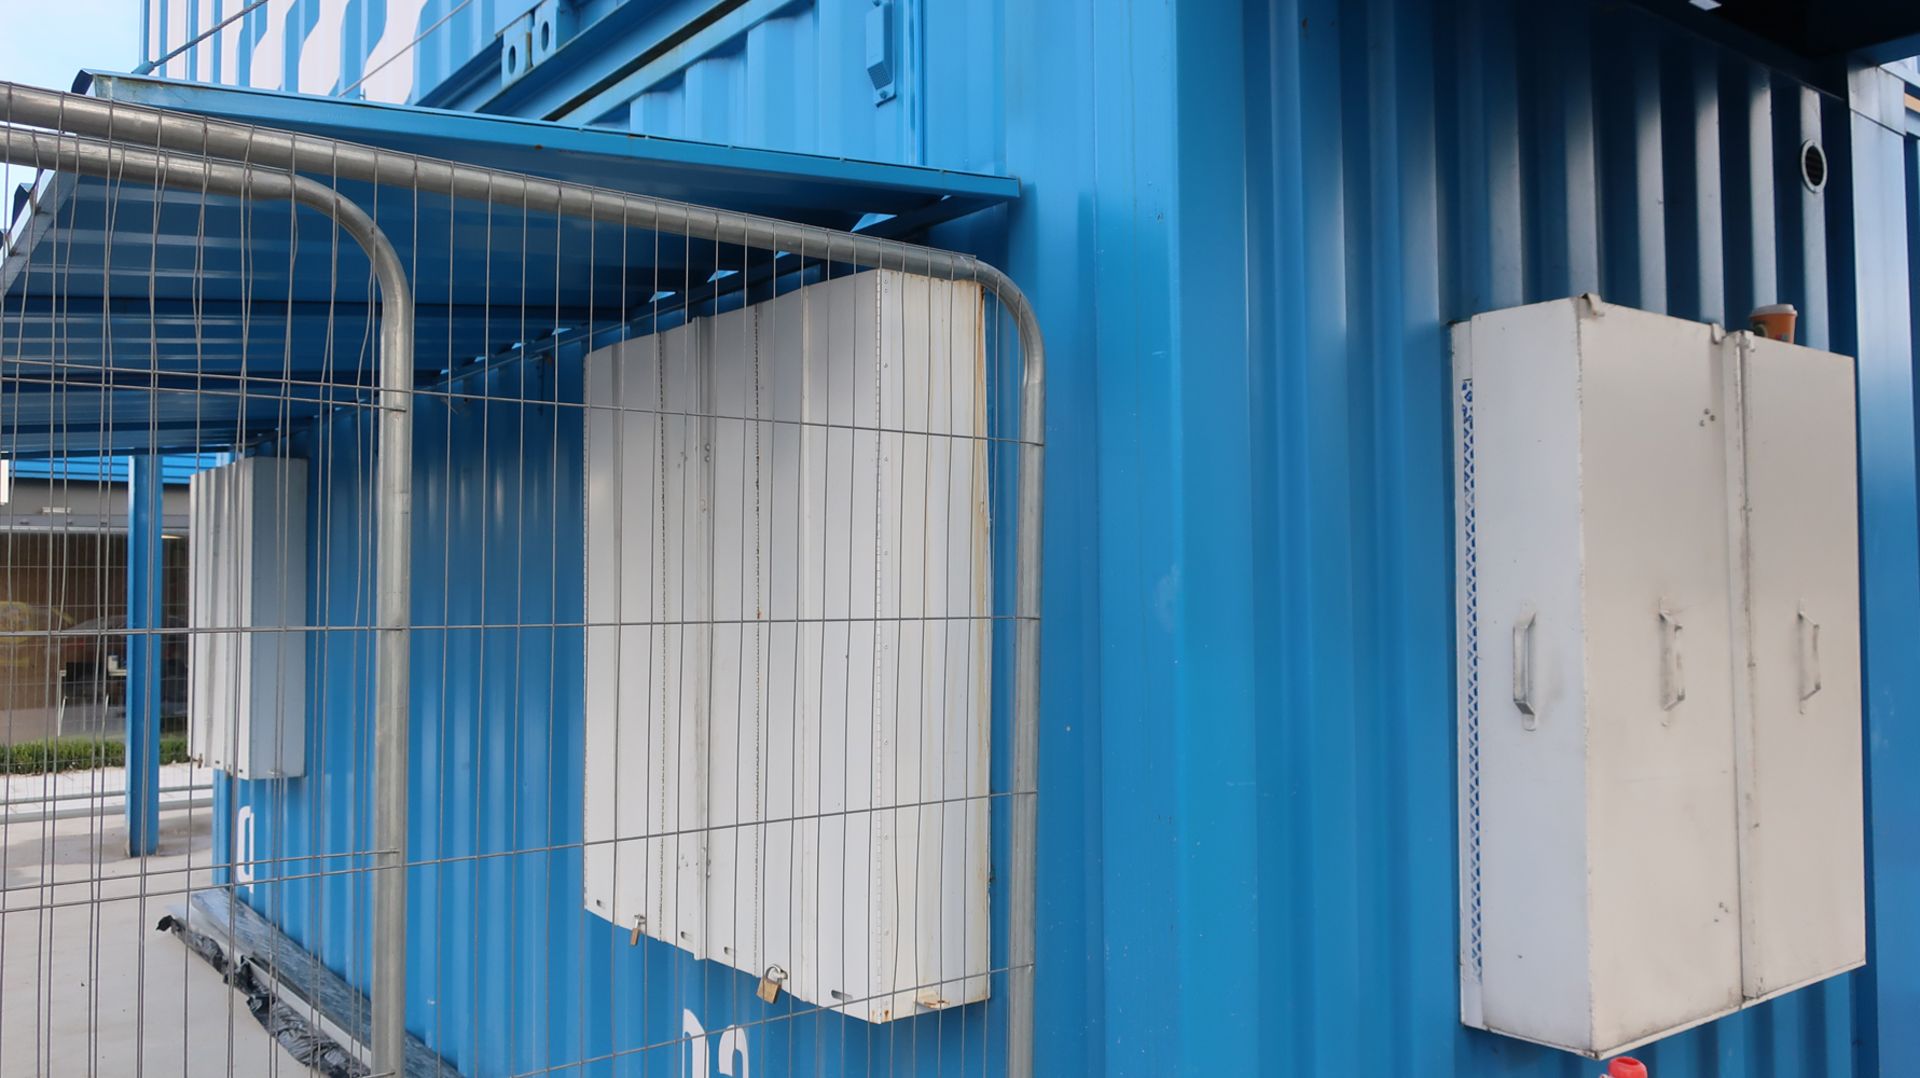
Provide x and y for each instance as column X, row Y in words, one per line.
column 87, row 986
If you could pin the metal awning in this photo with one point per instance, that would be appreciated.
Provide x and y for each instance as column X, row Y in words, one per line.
column 134, row 320
column 836, row 192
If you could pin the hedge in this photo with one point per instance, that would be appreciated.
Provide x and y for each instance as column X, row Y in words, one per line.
column 80, row 753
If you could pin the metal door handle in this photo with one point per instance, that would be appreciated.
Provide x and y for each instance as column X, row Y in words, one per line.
column 1673, row 674
column 1809, row 658
column 1523, row 671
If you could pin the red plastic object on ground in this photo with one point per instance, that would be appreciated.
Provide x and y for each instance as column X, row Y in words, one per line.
column 1626, row 1067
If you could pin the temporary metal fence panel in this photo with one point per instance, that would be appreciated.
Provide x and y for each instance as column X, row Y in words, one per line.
column 866, row 665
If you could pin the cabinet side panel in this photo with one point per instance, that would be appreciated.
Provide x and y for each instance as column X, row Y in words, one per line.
column 646, row 665
column 200, row 616
column 223, row 646
column 1802, row 843
column 1523, row 820
column 1665, row 888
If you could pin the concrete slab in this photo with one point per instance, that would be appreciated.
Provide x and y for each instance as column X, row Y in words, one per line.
column 87, row 986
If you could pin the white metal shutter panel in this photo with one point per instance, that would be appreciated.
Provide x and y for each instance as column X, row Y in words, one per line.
column 797, row 491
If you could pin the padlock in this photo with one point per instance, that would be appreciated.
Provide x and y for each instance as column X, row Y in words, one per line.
column 770, row 983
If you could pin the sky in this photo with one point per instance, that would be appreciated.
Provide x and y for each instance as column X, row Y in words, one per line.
column 45, row 42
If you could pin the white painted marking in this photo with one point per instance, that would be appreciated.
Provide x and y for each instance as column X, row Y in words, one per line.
column 320, row 57
column 394, row 81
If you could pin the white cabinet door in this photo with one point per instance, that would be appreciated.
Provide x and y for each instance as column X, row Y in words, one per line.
column 1801, row 829
column 1664, row 877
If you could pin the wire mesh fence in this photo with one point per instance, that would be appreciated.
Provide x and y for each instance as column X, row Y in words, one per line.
column 607, row 641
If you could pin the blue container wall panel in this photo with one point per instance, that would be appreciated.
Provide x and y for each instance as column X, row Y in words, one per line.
column 1880, row 142
column 799, row 80
column 508, row 972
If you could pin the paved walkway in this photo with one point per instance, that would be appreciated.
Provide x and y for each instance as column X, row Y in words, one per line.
column 87, row 986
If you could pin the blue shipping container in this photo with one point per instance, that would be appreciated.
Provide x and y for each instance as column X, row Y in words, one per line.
column 1245, row 228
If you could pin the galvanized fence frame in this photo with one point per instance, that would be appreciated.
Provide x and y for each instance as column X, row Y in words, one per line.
column 89, row 137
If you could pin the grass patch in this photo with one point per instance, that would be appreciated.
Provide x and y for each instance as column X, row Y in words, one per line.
column 80, row 754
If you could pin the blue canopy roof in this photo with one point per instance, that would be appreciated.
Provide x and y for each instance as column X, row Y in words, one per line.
column 140, row 321
column 831, row 191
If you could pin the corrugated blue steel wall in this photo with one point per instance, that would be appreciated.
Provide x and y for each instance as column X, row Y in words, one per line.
column 1245, row 229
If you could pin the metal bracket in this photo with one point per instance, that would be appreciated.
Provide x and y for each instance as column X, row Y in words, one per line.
column 516, row 49
column 882, row 69
column 552, row 25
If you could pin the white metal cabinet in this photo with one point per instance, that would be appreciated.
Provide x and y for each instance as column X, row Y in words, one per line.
column 1802, row 843
column 788, row 649
column 1659, row 672
column 247, row 608
column 1602, row 884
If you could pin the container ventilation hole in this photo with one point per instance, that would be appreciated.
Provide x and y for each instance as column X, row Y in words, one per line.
column 1813, row 166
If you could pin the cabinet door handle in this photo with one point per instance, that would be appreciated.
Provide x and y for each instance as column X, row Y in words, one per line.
column 1523, row 671
column 1673, row 674
column 1809, row 658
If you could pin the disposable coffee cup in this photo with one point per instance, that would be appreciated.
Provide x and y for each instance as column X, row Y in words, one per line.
column 1774, row 321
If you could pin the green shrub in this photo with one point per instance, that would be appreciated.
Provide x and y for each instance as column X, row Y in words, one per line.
column 80, row 753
